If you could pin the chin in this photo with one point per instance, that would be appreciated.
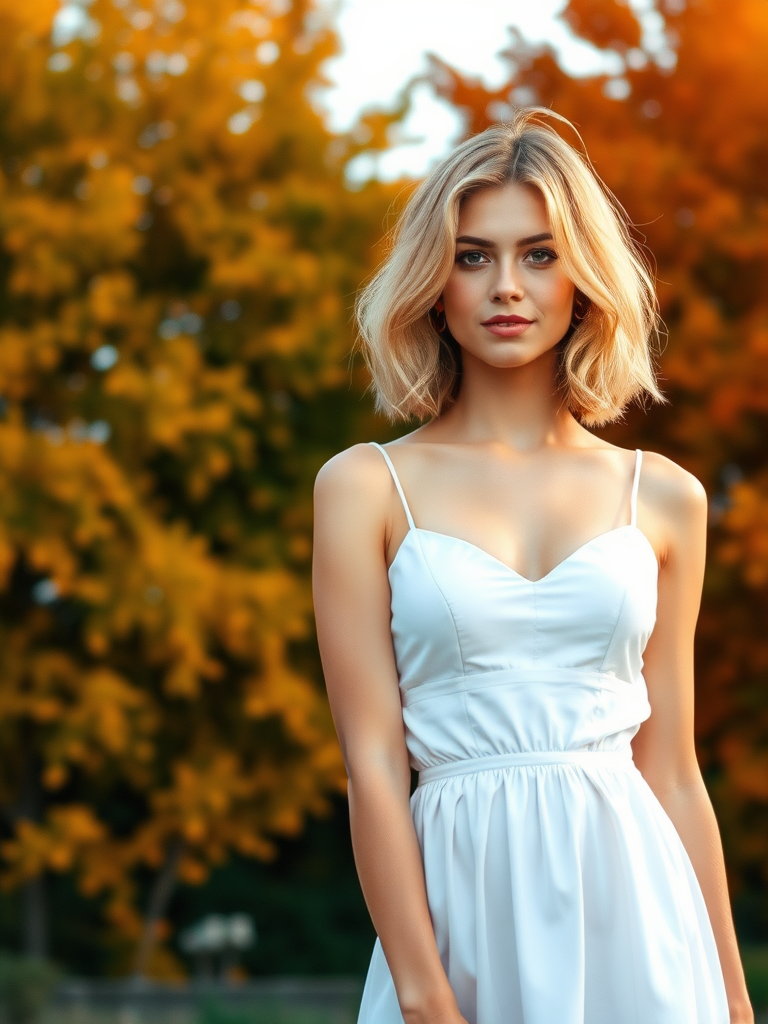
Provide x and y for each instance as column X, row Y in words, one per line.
column 509, row 355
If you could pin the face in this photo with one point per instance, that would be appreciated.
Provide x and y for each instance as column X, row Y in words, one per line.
column 507, row 302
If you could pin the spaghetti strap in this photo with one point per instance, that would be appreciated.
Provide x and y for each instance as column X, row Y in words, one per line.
column 398, row 485
column 635, row 485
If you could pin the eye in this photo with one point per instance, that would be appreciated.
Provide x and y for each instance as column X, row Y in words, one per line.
column 472, row 258
column 541, row 257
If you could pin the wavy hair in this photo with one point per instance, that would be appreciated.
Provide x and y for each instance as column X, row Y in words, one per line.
column 606, row 358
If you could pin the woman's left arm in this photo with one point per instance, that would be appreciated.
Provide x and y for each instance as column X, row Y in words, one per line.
column 673, row 513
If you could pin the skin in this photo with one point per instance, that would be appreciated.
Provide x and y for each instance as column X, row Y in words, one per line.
column 500, row 469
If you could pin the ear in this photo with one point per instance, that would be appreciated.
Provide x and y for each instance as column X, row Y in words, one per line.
column 439, row 305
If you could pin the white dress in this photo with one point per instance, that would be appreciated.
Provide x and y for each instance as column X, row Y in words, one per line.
column 559, row 890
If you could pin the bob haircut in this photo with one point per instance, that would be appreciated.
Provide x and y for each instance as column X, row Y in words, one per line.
column 606, row 355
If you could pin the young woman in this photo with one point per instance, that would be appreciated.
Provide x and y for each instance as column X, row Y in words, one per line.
column 506, row 603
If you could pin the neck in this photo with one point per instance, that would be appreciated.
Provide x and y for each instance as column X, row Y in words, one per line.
column 516, row 406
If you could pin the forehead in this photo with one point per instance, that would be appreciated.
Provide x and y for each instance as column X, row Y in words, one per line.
column 507, row 210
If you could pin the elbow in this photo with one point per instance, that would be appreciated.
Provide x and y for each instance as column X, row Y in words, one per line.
column 675, row 785
column 372, row 774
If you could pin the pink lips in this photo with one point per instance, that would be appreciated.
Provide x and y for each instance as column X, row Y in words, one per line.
column 507, row 326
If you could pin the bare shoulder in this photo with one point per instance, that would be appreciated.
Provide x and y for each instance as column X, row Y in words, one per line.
column 670, row 488
column 356, row 479
column 675, row 505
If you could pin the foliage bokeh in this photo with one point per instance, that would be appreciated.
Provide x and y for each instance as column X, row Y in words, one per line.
column 179, row 253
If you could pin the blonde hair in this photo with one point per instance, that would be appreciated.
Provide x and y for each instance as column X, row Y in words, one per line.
column 606, row 359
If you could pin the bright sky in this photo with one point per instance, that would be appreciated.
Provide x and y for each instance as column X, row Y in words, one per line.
column 385, row 42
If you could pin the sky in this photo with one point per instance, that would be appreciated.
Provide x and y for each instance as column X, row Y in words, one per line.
column 385, row 44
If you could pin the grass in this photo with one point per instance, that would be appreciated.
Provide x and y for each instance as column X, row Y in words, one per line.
column 215, row 1014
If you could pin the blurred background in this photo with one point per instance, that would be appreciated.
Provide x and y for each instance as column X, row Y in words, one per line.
column 190, row 195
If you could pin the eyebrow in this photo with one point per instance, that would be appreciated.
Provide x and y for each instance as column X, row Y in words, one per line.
column 487, row 244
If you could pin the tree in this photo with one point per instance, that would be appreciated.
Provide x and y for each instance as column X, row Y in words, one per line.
column 179, row 253
column 677, row 130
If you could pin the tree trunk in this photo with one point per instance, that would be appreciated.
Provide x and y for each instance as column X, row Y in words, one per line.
column 34, row 921
column 159, row 899
column 34, row 908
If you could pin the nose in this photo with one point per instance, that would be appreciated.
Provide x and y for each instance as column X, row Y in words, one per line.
column 507, row 284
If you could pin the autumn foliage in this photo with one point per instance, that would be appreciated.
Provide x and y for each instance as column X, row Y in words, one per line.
column 179, row 253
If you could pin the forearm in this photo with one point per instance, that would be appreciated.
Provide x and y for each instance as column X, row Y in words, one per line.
column 391, row 874
column 690, row 810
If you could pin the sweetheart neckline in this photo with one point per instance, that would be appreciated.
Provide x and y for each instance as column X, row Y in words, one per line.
column 508, row 568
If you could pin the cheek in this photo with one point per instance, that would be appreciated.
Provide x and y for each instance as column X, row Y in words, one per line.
column 556, row 294
column 461, row 292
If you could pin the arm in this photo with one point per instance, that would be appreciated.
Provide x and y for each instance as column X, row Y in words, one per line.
column 674, row 511
column 352, row 496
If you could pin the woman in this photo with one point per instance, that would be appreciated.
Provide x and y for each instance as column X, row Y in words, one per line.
column 506, row 603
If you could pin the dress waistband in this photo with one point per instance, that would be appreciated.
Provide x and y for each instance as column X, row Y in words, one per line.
column 615, row 759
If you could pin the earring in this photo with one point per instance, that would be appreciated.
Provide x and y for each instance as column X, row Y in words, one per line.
column 438, row 319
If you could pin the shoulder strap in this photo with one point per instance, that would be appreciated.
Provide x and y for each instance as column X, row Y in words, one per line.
column 398, row 485
column 635, row 485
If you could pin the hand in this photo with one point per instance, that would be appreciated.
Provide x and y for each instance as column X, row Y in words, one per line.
column 741, row 1013
column 452, row 1016
column 445, row 1014
column 442, row 1010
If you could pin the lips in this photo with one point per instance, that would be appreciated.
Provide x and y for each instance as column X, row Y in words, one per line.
column 501, row 319
column 507, row 326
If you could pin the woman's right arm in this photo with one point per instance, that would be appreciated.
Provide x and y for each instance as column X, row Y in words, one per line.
column 353, row 494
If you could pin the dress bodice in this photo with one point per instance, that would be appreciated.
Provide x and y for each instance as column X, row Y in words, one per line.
column 490, row 662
